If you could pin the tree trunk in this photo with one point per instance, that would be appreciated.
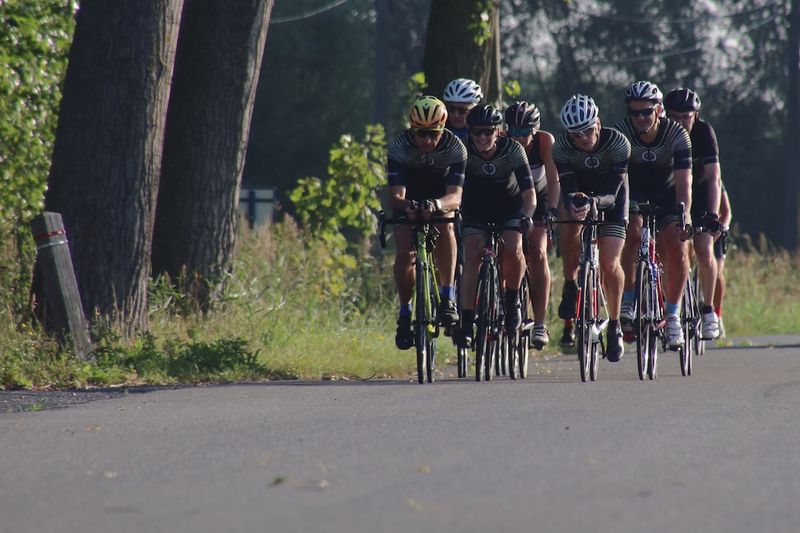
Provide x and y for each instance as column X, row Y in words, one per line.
column 454, row 48
column 792, row 223
column 107, row 153
column 216, row 71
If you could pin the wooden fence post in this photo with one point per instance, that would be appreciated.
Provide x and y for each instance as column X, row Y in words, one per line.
column 63, row 310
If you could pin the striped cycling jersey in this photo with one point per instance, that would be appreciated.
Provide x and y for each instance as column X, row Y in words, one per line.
column 595, row 173
column 536, row 164
column 651, row 166
column 506, row 172
column 426, row 176
column 705, row 150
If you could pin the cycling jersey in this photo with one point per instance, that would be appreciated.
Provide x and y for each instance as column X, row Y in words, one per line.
column 461, row 133
column 600, row 173
column 538, row 174
column 651, row 166
column 426, row 176
column 493, row 187
column 704, row 151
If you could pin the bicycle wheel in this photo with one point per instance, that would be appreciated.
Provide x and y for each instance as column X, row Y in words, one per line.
column 489, row 362
column 500, row 354
column 512, row 344
column 463, row 361
column 642, row 318
column 583, row 324
column 699, row 343
column 523, row 346
column 689, row 330
column 597, row 343
column 420, row 326
column 432, row 323
column 656, row 332
column 482, row 342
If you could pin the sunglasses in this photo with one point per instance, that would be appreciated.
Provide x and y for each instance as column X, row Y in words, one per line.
column 427, row 134
column 457, row 109
column 486, row 132
column 520, row 132
column 582, row 133
column 648, row 111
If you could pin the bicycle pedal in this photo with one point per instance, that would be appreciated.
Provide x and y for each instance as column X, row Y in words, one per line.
column 527, row 325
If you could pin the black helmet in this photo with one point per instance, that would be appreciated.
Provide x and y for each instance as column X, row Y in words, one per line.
column 523, row 115
column 484, row 115
column 682, row 100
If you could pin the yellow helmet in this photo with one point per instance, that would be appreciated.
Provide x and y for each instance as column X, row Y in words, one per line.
column 428, row 112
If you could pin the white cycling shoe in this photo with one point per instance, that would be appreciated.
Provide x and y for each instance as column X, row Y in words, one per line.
column 674, row 332
column 709, row 326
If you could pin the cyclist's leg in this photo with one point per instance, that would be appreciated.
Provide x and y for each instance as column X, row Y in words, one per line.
column 513, row 269
column 473, row 250
column 610, row 245
column 676, row 272
column 540, row 272
column 707, row 270
column 569, row 243
column 404, row 280
column 445, row 256
column 719, row 290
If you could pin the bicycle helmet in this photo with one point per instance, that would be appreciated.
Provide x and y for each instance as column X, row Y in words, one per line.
column 644, row 90
column 484, row 115
column 579, row 113
column 428, row 112
column 523, row 115
column 682, row 100
column 463, row 91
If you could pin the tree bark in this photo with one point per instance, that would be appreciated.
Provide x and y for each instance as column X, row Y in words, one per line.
column 219, row 55
column 107, row 153
column 451, row 48
column 792, row 223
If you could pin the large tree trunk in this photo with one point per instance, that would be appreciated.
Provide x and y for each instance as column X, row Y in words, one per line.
column 216, row 71
column 792, row 222
column 107, row 153
column 454, row 49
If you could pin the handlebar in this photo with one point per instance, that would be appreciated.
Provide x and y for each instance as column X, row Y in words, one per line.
column 383, row 222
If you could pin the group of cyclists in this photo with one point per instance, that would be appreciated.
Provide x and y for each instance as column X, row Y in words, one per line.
column 499, row 167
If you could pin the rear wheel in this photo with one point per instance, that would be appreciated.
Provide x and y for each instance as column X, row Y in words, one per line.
column 642, row 322
column 584, row 322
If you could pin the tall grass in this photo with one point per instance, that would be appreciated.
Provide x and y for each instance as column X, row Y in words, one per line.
column 295, row 307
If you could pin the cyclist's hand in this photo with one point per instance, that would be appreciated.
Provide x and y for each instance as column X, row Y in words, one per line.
column 684, row 232
column 712, row 225
column 427, row 210
column 411, row 210
column 552, row 214
column 581, row 210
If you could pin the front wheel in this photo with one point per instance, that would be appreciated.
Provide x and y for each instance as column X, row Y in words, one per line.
column 643, row 318
column 523, row 345
column 690, row 331
column 585, row 319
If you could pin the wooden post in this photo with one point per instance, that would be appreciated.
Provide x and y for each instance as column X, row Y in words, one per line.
column 63, row 310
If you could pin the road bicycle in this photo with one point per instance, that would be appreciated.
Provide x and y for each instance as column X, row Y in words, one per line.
column 426, row 323
column 591, row 311
column 495, row 349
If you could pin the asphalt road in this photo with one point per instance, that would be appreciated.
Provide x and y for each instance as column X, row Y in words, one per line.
column 717, row 451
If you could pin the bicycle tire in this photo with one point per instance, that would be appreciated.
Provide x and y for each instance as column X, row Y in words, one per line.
column 583, row 322
column 493, row 319
column 523, row 345
column 432, row 322
column 482, row 344
column 689, row 330
column 699, row 343
column 642, row 318
column 463, row 361
column 597, row 304
column 420, row 327
column 656, row 334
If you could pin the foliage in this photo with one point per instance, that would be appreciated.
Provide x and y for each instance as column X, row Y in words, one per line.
column 480, row 21
column 347, row 200
column 512, row 89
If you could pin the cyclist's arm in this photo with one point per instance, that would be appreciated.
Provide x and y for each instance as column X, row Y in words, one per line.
column 452, row 198
column 550, row 170
column 711, row 170
column 682, row 172
column 397, row 174
column 607, row 197
column 725, row 211
column 525, row 181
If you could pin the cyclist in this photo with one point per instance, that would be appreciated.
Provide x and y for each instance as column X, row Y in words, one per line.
column 720, row 246
column 659, row 171
column 498, row 189
column 460, row 96
column 592, row 161
column 425, row 165
column 683, row 105
column 523, row 120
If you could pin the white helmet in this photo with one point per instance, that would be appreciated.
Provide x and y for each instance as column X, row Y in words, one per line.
column 644, row 90
column 579, row 112
column 463, row 91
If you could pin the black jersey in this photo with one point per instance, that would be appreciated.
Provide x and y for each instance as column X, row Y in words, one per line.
column 536, row 163
column 704, row 149
column 426, row 176
column 596, row 173
column 651, row 166
column 507, row 172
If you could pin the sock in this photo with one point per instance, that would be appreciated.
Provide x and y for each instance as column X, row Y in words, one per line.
column 627, row 296
column 705, row 309
column 405, row 309
column 673, row 309
column 718, row 310
column 467, row 316
column 512, row 296
column 447, row 292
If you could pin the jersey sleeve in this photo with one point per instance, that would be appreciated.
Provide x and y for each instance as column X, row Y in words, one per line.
column 682, row 149
column 457, row 159
column 711, row 153
column 522, row 169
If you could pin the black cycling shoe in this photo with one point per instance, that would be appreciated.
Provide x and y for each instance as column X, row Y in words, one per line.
column 404, row 338
column 465, row 335
column 448, row 312
column 569, row 299
column 568, row 337
column 614, row 347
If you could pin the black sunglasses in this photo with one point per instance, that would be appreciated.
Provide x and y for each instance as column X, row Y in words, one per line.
column 428, row 134
column 457, row 110
column 486, row 132
column 642, row 112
